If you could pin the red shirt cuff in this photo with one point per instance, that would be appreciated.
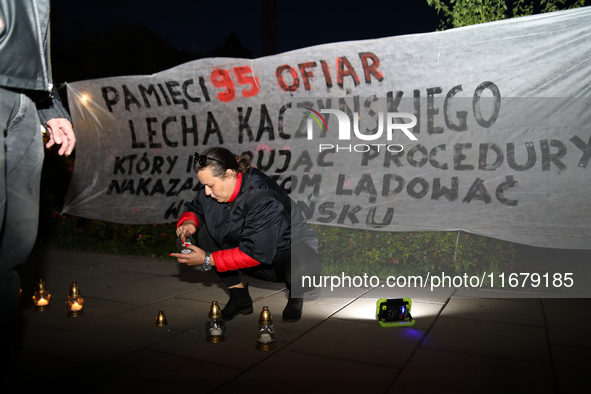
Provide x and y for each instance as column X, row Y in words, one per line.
column 188, row 216
column 232, row 259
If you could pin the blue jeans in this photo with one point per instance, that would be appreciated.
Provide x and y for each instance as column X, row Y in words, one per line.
column 21, row 160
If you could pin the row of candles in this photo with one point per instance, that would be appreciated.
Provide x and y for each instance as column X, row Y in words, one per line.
column 74, row 304
column 215, row 327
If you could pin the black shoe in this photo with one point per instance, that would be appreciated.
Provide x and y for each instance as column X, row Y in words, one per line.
column 293, row 309
column 239, row 302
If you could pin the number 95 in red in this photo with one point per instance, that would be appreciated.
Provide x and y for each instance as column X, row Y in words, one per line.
column 223, row 79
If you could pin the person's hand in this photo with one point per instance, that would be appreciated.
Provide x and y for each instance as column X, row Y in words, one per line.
column 185, row 229
column 61, row 132
column 196, row 257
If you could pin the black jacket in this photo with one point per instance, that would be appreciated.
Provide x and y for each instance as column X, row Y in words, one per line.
column 24, row 55
column 262, row 221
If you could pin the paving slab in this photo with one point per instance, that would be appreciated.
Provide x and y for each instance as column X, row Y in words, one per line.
column 238, row 350
column 569, row 330
column 181, row 314
column 435, row 371
column 360, row 342
column 572, row 307
column 571, row 366
column 36, row 372
column 492, row 339
column 147, row 371
column 92, row 344
column 133, row 287
column 292, row 372
column 496, row 310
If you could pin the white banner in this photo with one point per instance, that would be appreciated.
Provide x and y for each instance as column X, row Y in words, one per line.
column 502, row 145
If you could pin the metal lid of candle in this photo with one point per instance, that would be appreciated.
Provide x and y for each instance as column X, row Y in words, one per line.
column 74, row 291
column 40, row 287
column 265, row 317
column 214, row 311
column 161, row 319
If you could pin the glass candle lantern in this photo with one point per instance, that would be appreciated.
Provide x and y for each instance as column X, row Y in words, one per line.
column 182, row 246
column 266, row 335
column 215, row 327
column 41, row 297
column 75, row 303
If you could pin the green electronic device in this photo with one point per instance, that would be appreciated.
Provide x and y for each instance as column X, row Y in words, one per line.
column 394, row 312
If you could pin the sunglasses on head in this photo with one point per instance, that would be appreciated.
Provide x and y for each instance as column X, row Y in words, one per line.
column 202, row 159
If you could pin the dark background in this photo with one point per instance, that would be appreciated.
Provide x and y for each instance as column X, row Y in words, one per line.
column 103, row 38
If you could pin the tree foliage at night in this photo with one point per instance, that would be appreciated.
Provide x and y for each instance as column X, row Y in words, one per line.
column 458, row 13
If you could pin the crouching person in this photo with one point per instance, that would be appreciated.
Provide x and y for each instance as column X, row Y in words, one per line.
column 247, row 223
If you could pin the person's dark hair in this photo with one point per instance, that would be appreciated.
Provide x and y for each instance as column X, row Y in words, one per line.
column 224, row 160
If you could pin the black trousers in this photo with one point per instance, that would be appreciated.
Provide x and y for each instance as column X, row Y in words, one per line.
column 21, row 160
column 289, row 268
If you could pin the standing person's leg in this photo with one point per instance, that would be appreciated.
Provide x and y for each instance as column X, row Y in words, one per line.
column 21, row 160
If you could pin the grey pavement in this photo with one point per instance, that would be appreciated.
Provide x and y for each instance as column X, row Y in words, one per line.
column 459, row 344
